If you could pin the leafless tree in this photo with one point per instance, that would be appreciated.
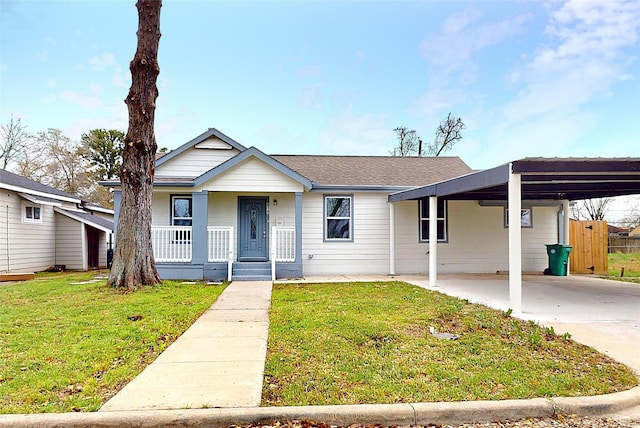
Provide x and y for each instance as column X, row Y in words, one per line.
column 592, row 209
column 133, row 262
column 15, row 140
column 408, row 142
column 449, row 132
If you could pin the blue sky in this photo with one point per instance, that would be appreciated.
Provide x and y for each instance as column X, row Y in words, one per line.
column 543, row 78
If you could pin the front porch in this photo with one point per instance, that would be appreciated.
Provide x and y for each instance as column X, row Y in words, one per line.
column 182, row 253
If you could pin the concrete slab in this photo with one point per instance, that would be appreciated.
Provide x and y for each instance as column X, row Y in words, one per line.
column 207, row 328
column 217, row 362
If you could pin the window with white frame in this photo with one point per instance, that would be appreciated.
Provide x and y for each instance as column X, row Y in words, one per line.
column 31, row 213
column 182, row 215
column 338, row 218
column 181, row 211
column 441, row 218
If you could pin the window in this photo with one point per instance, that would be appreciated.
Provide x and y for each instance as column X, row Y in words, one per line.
column 181, row 215
column 181, row 211
column 338, row 218
column 441, row 218
column 526, row 217
column 32, row 214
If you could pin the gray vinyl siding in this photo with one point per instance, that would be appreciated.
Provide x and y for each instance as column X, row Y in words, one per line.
column 70, row 243
column 25, row 247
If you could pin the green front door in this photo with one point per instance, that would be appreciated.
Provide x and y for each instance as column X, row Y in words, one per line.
column 252, row 229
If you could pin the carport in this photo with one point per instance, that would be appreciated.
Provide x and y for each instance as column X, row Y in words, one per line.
column 534, row 180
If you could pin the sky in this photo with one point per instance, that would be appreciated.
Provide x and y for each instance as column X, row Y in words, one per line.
column 556, row 78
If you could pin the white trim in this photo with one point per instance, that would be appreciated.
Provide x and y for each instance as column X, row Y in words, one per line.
column 433, row 243
column 515, row 242
column 81, row 220
column 23, row 212
column 36, row 200
column 392, row 238
column 18, row 189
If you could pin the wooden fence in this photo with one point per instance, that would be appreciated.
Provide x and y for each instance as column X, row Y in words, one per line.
column 589, row 240
column 624, row 244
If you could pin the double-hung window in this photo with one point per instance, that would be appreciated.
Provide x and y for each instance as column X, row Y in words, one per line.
column 182, row 215
column 338, row 218
column 440, row 217
column 32, row 213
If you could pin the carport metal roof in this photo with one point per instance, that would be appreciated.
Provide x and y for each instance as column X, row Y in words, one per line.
column 541, row 179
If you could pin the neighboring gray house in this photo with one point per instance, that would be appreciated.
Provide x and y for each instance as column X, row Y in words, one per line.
column 42, row 227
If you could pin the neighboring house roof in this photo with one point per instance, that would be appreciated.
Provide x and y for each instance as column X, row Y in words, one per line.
column 18, row 183
column 617, row 230
column 88, row 219
column 383, row 171
column 635, row 232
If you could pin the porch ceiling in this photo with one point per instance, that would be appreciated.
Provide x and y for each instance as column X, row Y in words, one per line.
column 542, row 179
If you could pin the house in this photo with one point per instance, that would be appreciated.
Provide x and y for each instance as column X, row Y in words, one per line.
column 618, row 231
column 42, row 227
column 635, row 232
column 222, row 210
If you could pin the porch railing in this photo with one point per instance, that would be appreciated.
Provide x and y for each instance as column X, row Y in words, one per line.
column 220, row 246
column 171, row 244
column 283, row 246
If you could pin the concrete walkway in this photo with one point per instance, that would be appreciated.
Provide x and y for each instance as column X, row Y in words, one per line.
column 217, row 362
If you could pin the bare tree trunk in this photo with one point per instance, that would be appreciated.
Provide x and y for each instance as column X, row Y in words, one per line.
column 133, row 262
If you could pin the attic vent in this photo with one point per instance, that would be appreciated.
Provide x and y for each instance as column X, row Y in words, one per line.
column 213, row 143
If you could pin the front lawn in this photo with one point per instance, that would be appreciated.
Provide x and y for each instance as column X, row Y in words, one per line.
column 370, row 343
column 66, row 346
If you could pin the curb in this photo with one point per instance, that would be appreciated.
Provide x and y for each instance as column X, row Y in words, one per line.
column 597, row 404
column 449, row 413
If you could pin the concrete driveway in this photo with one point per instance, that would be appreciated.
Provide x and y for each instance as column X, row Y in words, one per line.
column 600, row 313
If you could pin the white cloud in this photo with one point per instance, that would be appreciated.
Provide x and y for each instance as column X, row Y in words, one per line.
column 310, row 97
column 86, row 101
column 312, row 70
column 579, row 62
column 102, row 62
column 120, row 79
column 462, row 35
column 52, row 83
column 349, row 134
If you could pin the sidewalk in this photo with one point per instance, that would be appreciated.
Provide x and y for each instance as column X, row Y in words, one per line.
column 217, row 362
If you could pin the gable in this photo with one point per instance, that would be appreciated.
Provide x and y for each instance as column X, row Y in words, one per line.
column 198, row 159
column 252, row 175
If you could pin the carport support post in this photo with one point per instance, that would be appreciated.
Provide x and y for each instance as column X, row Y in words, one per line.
column 433, row 241
column 565, row 222
column 515, row 242
column 392, row 238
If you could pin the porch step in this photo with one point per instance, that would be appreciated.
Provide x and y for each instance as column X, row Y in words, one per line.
column 251, row 271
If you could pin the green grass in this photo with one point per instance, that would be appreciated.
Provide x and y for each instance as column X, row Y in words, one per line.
column 370, row 343
column 70, row 347
column 630, row 263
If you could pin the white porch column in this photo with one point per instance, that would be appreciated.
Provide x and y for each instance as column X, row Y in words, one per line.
column 515, row 242
column 392, row 238
column 433, row 241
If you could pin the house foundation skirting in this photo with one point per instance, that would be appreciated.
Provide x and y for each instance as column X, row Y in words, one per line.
column 217, row 271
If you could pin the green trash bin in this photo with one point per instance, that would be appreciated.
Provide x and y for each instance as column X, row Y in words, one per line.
column 558, row 258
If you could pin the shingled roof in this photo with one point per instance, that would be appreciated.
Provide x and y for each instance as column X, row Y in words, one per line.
column 25, row 184
column 383, row 171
